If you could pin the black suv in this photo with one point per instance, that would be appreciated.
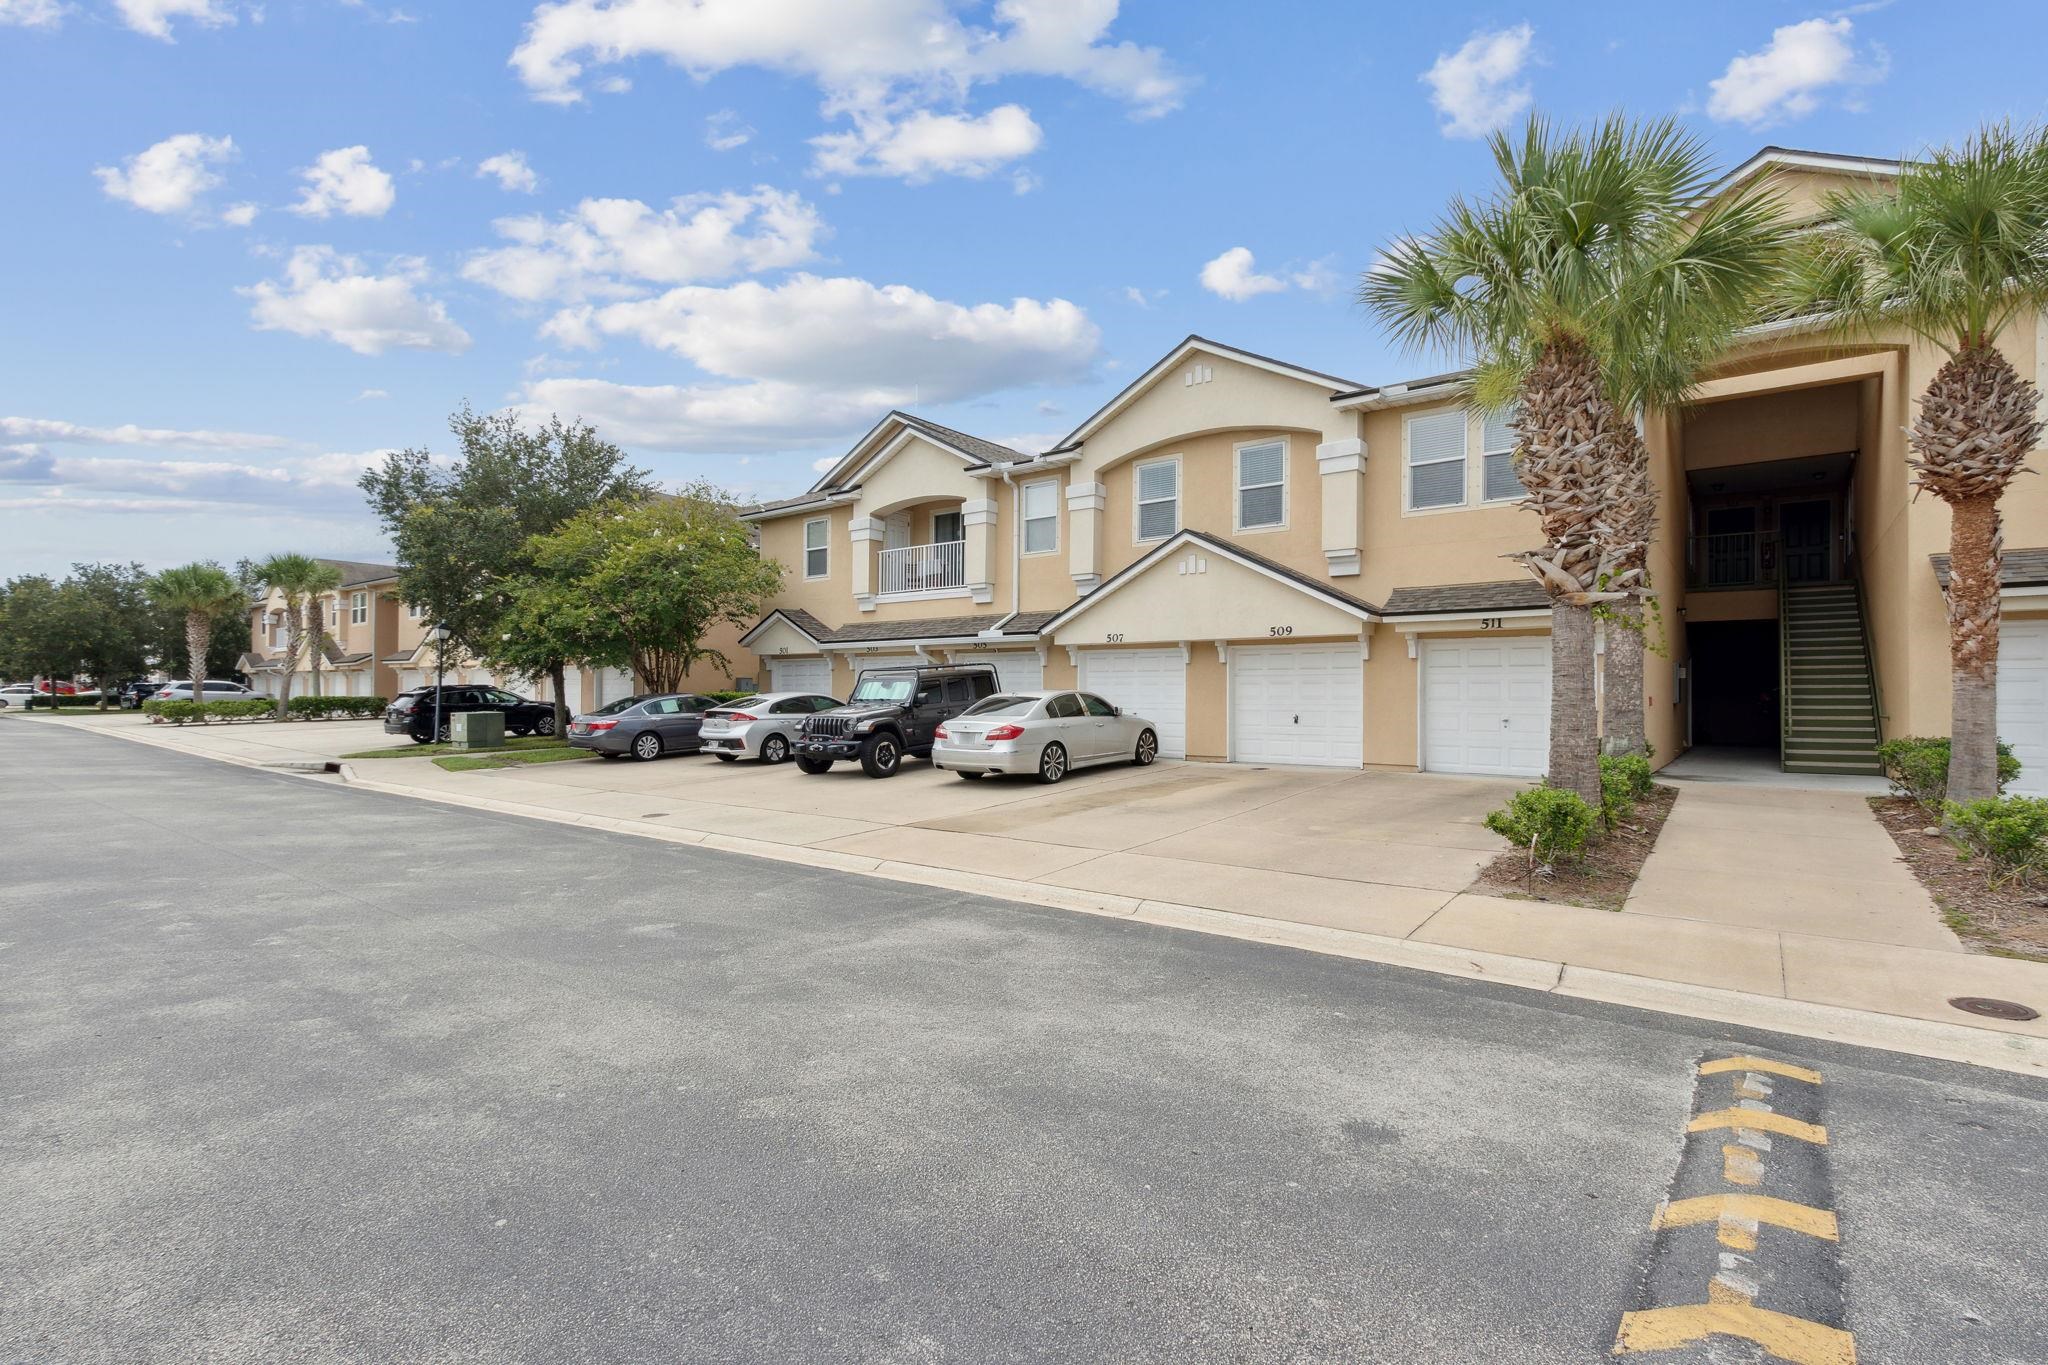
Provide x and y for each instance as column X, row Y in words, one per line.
column 412, row 713
column 132, row 695
column 892, row 712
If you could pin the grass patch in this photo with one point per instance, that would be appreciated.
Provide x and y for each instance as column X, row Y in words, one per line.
column 428, row 750
column 473, row 762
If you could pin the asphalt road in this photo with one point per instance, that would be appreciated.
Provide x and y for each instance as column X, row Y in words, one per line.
column 295, row 1072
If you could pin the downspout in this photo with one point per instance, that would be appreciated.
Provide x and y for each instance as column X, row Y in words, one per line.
column 1016, row 545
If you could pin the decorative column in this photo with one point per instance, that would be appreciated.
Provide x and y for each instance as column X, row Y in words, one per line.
column 1342, row 464
column 978, row 523
column 863, row 534
column 1084, row 535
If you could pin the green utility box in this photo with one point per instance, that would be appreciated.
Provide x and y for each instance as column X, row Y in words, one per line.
column 477, row 729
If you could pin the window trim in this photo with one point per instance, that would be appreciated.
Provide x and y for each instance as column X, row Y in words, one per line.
column 1138, row 504
column 1485, row 501
column 1408, row 421
column 359, row 608
column 809, row 549
column 1024, row 521
column 1237, row 486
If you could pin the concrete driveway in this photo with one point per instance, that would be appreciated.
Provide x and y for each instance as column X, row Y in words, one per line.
column 1388, row 849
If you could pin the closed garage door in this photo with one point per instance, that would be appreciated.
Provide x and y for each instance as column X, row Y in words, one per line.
column 2023, row 701
column 1016, row 671
column 613, row 684
column 1298, row 704
column 800, row 675
column 875, row 661
column 1152, row 683
column 1486, row 706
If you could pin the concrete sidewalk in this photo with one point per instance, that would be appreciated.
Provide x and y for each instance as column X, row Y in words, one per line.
column 1778, row 909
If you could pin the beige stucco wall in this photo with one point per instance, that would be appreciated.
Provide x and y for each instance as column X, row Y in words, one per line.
column 1198, row 594
column 1773, row 426
column 1208, row 495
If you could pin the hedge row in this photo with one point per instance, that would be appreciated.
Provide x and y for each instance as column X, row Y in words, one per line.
column 65, row 703
column 316, row 707
column 231, row 708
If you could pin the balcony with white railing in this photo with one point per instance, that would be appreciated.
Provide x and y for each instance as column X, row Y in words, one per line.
column 923, row 568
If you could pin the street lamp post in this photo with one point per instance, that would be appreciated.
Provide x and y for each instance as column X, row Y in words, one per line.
column 440, row 634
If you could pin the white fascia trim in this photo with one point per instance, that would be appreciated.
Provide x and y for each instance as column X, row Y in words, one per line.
column 1016, row 467
column 1177, row 540
column 799, row 508
column 923, row 642
column 770, row 620
column 1806, row 161
column 1400, row 396
column 904, row 438
column 1191, row 346
column 1482, row 614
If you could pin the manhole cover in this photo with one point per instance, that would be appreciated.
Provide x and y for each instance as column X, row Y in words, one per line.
column 1994, row 1009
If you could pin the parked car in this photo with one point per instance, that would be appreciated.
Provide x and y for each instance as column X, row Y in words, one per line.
column 132, row 695
column 893, row 712
column 217, row 689
column 16, row 694
column 1049, row 733
column 763, row 727
column 412, row 713
column 645, row 726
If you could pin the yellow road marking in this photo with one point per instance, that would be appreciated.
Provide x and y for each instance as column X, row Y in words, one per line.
column 1720, row 1291
column 1788, row 1338
column 1739, row 1165
column 1737, row 1234
column 1797, row 1073
column 1761, row 1120
column 1760, row 1208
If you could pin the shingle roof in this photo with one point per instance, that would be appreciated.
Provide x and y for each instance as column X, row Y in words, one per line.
column 989, row 451
column 1309, row 581
column 2022, row 568
column 1512, row 594
column 356, row 572
column 805, row 622
column 930, row 628
column 1028, row 622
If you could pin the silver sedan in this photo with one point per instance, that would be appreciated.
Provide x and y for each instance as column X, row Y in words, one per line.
column 1048, row 733
column 759, row 727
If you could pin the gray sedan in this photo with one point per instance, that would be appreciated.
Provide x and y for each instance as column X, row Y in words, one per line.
column 1049, row 733
column 645, row 726
column 759, row 727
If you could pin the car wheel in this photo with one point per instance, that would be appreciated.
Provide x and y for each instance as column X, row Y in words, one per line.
column 446, row 732
column 1052, row 763
column 545, row 725
column 1148, row 749
column 647, row 746
column 880, row 756
column 774, row 749
column 970, row 777
column 814, row 766
column 417, row 736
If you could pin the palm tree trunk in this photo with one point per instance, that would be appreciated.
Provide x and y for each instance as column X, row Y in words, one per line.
column 1621, row 699
column 198, row 635
column 1973, row 616
column 316, row 632
column 1574, row 752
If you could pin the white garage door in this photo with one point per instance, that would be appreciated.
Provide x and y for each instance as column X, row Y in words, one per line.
column 1152, row 683
column 1016, row 671
column 2023, row 701
column 1486, row 706
column 612, row 684
column 800, row 675
column 1298, row 704
column 862, row 665
column 408, row 679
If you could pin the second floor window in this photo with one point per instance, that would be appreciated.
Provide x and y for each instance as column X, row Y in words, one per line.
column 947, row 526
column 359, row 609
column 1261, row 485
column 817, row 557
column 1041, row 517
column 1497, row 442
column 1436, row 460
column 413, row 610
column 1158, row 499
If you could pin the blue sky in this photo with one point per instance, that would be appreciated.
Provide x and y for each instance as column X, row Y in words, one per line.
column 250, row 245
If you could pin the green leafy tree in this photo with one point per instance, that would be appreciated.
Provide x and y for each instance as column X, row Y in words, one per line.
column 644, row 583
column 1955, row 253
column 34, row 632
column 204, row 593
column 462, row 529
column 1591, row 282
column 106, row 615
column 299, row 580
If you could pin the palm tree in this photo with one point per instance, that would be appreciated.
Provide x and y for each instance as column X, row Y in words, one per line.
column 298, row 579
column 202, row 591
column 1593, row 282
column 1955, row 253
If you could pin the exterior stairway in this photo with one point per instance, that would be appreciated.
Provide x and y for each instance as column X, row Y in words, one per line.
column 1830, row 708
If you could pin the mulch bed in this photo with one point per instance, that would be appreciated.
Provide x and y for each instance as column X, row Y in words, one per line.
column 2011, row 921
column 1603, row 879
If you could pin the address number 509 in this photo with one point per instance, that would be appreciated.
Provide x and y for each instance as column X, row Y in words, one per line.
column 1279, row 630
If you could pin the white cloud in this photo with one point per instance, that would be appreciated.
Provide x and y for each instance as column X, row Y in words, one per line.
column 926, row 144
column 883, row 62
column 138, row 484
column 170, row 176
column 153, row 17
column 598, row 246
column 1233, row 276
column 369, row 394
column 345, row 180
column 1475, row 88
column 1786, row 79
column 57, row 432
column 327, row 295
column 239, row 215
column 824, row 463
column 725, row 130
column 32, row 13
column 511, row 172
column 707, row 418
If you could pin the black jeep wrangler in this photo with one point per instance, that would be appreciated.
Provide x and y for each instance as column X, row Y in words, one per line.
column 891, row 713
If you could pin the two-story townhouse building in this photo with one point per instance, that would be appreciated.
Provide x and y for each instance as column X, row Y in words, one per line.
column 1279, row 565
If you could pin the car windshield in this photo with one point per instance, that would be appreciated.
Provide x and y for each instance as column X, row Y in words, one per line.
column 621, row 706
column 741, row 704
column 1002, row 705
column 875, row 688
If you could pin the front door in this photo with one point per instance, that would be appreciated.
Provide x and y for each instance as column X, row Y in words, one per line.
column 1806, row 534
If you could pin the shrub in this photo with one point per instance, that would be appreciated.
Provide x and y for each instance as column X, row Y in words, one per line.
column 176, row 712
column 2007, row 832
column 732, row 696
column 46, row 703
column 1617, row 798
column 1918, row 767
column 1553, row 823
column 239, row 708
column 316, row 708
